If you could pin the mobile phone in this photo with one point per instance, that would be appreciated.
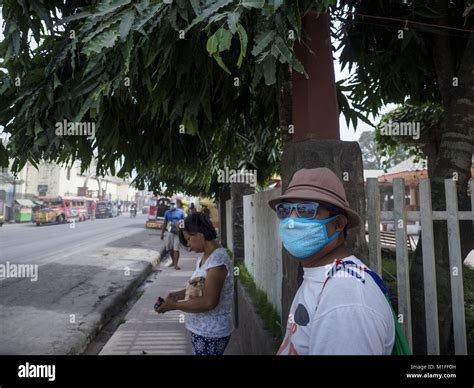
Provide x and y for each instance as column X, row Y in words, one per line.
column 159, row 302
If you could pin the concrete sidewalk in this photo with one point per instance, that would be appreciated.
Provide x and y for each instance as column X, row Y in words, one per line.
column 146, row 332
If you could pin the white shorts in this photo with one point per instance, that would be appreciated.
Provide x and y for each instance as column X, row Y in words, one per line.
column 172, row 242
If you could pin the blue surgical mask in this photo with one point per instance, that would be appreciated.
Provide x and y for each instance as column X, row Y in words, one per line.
column 303, row 238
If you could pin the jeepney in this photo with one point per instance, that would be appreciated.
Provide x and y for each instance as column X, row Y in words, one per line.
column 156, row 215
column 51, row 210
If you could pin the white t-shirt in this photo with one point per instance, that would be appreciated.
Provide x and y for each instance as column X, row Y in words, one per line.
column 348, row 318
column 218, row 322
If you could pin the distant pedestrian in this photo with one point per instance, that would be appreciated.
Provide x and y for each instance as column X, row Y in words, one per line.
column 206, row 204
column 192, row 209
column 205, row 210
column 173, row 218
column 208, row 298
column 93, row 207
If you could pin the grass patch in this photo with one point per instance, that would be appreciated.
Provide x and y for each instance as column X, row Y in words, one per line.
column 267, row 312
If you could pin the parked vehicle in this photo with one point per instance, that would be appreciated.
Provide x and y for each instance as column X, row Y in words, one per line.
column 79, row 209
column 60, row 210
column 104, row 209
column 156, row 216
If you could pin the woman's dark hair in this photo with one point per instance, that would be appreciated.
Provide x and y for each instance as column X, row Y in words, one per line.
column 197, row 223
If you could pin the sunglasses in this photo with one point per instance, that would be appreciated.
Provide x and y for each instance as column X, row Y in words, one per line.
column 306, row 210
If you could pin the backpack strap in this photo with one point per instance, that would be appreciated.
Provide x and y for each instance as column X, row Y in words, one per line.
column 401, row 345
column 346, row 266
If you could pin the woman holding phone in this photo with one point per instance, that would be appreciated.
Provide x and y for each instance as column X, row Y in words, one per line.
column 207, row 301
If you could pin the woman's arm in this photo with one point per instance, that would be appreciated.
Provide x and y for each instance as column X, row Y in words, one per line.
column 179, row 295
column 208, row 301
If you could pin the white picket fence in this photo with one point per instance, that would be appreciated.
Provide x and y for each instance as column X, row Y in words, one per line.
column 426, row 216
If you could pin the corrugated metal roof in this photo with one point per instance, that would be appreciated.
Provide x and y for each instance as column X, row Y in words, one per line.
column 25, row 202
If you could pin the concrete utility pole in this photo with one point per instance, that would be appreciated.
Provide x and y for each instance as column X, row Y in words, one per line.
column 315, row 111
column 316, row 139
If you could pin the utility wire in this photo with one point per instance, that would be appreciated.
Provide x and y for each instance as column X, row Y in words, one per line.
column 406, row 21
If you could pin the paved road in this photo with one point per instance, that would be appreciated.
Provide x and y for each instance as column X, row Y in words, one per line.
column 28, row 243
column 84, row 273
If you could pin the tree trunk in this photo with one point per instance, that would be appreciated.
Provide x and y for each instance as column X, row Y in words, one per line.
column 99, row 183
column 285, row 104
column 454, row 161
column 224, row 195
column 291, row 271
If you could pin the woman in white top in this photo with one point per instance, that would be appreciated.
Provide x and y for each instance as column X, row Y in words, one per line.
column 208, row 298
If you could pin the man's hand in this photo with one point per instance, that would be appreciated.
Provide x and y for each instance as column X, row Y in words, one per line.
column 162, row 237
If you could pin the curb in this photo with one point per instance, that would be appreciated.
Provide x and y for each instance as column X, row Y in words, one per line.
column 114, row 306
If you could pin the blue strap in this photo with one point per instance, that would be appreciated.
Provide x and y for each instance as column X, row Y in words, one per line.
column 373, row 274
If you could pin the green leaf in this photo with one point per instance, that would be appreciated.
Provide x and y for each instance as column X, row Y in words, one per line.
column 106, row 7
column 105, row 40
column 219, row 41
column 298, row 66
column 225, row 38
column 212, row 44
column 221, row 63
column 57, row 82
column 277, row 3
column 262, row 41
column 286, row 54
column 253, row 3
column 243, row 38
column 232, row 20
column 269, row 70
column 126, row 23
column 206, row 12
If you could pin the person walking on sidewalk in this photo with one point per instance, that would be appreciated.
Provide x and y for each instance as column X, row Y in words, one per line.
column 209, row 296
column 93, row 209
column 173, row 217
column 337, row 309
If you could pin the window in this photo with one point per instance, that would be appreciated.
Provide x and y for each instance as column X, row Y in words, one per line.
column 68, row 174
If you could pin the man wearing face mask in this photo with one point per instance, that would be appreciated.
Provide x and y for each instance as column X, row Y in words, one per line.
column 338, row 309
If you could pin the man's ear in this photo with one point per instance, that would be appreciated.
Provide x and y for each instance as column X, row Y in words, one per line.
column 340, row 222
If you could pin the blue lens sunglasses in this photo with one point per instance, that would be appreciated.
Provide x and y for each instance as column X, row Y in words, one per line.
column 307, row 210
